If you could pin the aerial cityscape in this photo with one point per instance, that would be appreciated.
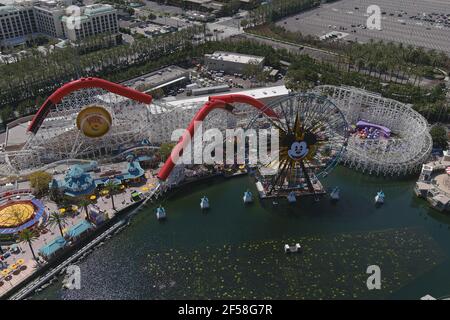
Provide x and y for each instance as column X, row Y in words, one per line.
column 224, row 150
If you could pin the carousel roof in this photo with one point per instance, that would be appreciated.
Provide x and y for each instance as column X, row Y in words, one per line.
column 76, row 182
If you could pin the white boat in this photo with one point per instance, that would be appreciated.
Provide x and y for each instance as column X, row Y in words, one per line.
column 248, row 197
column 334, row 195
column 204, row 203
column 160, row 213
column 291, row 197
column 379, row 198
column 292, row 249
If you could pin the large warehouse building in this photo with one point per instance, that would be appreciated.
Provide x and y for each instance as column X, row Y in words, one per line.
column 230, row 62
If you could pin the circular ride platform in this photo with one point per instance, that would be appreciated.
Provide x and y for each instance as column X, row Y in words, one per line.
column 19, row 214
column 15, row 213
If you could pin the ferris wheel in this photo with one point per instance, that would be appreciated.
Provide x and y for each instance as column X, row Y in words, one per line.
column 313, row 134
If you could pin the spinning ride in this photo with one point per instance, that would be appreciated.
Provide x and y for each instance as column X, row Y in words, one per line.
column 89, row 118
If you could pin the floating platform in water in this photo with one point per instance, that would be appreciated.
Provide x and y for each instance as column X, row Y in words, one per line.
column 292, row 249
column 291, row 197
column 248, row 197
column 335, row 194
column 204, row 203
column 160, row 213
column 379, row 198
column 319, row 190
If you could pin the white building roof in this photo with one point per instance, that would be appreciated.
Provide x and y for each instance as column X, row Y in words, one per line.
column 259, row 93
column 442, row 199
column 17, row 135
column 235, row 57
column 6, row 2
column 199, row 1
column 97, row 8
column 424, row 186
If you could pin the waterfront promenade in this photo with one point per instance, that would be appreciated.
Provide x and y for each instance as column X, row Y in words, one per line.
column 30, row 265
column 23, row 253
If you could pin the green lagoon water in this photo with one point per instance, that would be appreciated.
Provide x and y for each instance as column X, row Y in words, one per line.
column 236, row 250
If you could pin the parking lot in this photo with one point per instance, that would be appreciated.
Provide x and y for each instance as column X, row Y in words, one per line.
column 236, row 82
column 161, row 8
column 421, row 23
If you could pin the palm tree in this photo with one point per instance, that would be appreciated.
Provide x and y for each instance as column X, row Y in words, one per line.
column 84, row 203
column 372, row 65
column 112, row 188
column 17, row 215
column 57, row 219
column 28, row 236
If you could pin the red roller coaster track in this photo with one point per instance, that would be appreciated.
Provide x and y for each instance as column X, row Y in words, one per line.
column 216, row 102
column 83, row 83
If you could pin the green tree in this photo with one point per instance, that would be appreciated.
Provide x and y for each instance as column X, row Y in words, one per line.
column 58, row 219
column 56, row 195
column 39, row 181
column 251, row 70
column 112, row 189
column 37, row 74
column 84, row 203
column 28, row 236
column 157, row 93
column 6, row 113
column 165, row 149
column 261, row 77
column 439, row 135
column 18, row 216
column 230, row 8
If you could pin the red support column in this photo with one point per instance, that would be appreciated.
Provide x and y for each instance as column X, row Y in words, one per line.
column 83, row 83
column 215, row 102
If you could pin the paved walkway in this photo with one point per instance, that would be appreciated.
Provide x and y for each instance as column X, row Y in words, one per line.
column 121, row 201
column 30, row 265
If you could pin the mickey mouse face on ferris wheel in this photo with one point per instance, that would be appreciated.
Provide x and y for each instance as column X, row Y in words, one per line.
column 298, row 150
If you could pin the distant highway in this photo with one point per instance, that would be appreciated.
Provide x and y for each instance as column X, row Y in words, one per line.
column 319, row 54
column 231, row 27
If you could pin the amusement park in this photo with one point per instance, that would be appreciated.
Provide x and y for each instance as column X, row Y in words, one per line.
column 99, row 148
column 224, row 150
